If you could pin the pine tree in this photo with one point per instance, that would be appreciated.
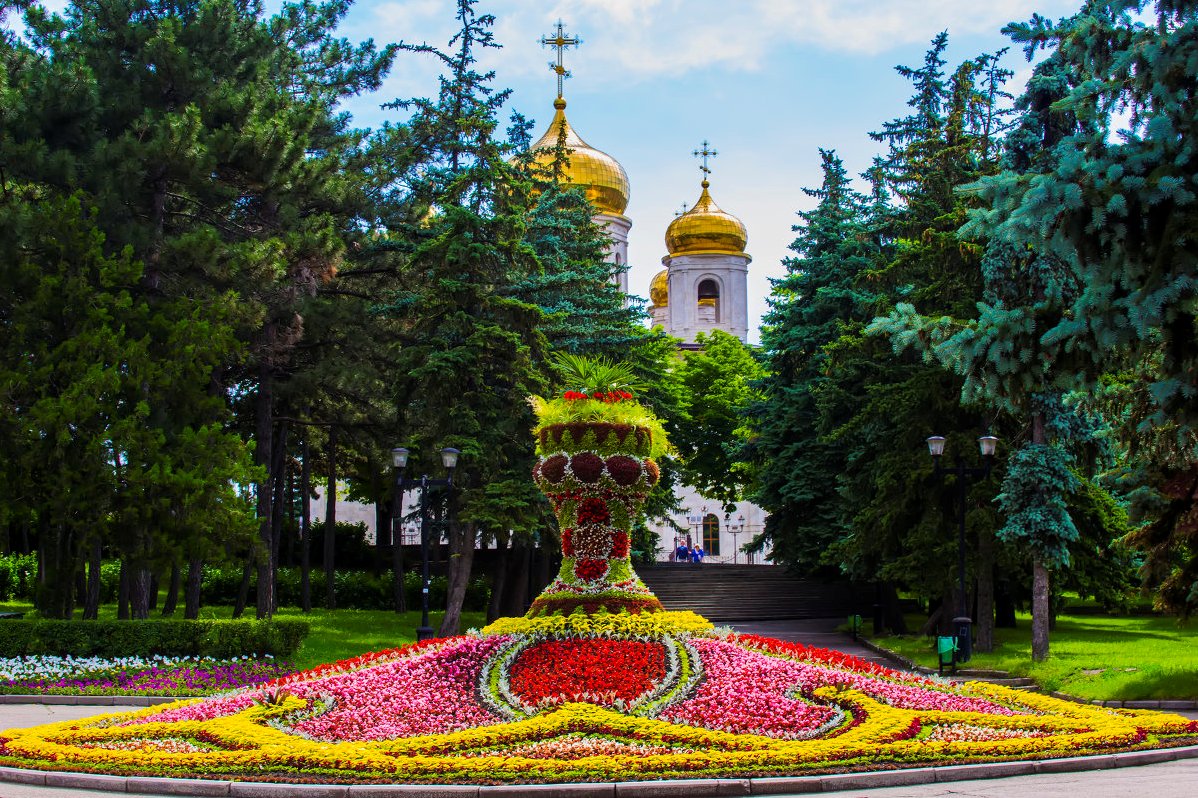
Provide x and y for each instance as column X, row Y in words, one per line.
column 469, row 363
column 809, row 308
column 208, row 140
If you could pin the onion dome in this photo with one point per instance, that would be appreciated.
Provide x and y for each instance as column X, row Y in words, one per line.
column 599, row 175
column 659, row 289
column 706, row 229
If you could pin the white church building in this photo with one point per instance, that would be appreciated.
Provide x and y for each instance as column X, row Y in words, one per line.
column 702, row 288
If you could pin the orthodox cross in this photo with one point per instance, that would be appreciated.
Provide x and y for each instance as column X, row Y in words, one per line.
column 560, row 41
column 705, row 153
column 681, row 212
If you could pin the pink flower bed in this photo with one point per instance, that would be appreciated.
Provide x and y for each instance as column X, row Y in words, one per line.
column 747, row 692
column 430, row 693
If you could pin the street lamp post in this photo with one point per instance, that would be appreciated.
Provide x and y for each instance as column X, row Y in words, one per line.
column 399, row 459
column 986, row 445
column 735, row 530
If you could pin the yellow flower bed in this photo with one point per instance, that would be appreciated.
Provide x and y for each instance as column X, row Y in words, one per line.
column 604, row 624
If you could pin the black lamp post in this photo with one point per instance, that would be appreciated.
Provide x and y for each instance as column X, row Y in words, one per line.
column 399, row 459
column 986, row 444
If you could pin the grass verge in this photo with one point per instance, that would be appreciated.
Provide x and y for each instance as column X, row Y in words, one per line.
column 1093, row 657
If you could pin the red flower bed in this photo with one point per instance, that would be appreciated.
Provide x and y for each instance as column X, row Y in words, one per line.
column 563, row 670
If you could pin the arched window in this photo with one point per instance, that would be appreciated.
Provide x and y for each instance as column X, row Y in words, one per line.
column 711, row 534
column 709, row 296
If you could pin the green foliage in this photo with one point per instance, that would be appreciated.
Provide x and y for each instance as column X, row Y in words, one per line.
column 208, row 638
column 717, row 384
column 594, row 374
column 356, row 590
column 18, row 573
column 1034, row 490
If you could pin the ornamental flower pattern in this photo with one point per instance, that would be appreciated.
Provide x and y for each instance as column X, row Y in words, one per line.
column 597, row 683
column 597, row 475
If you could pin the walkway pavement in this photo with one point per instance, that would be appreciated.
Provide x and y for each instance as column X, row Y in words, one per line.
column 820, row 632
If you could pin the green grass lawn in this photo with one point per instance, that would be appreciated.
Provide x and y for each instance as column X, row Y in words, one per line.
column 335, row 634
column 1090, row 656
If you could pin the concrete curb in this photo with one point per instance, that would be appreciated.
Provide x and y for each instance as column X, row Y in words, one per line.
column 1163, row 704
column 699, row 788
column 96, row 700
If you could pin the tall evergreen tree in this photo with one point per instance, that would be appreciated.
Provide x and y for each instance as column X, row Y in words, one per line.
column 812, row 306
column 1109, row 209
column 469, row 364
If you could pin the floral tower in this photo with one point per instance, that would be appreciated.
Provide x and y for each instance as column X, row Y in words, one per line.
column 595, row 447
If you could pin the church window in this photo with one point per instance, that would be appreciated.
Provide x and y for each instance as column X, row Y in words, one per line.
column 711, row 535
column 709, row 296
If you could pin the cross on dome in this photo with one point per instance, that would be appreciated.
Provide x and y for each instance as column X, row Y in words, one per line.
column 560, row 41
column 705, row 153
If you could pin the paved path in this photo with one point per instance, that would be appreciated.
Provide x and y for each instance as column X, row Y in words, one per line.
column 819, row 632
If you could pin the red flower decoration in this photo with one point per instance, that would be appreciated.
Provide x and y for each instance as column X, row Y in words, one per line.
column 593, row 511
column 587, row 466
column 623, row 469
column 619, row 546
column 596, row 671
column 554, row 468
column 653, row 471
column 568, row 542
column 587, row 570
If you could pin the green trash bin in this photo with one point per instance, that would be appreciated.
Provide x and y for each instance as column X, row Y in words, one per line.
column 946, row 652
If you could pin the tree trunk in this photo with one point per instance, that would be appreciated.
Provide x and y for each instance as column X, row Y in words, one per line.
column 172, row 591
column 243, row 591
column 985, row 594
column 264, row 455
column 195, row 581
column 892, row 610
column 276, row 511
column 122, row 599
column 152, row 592
column 91, row 604
column 461, row 559
column 1040, row 610
column 515, row 595
column 305, row 527
column 498, row 579
column 330, row 525
column 139, row 592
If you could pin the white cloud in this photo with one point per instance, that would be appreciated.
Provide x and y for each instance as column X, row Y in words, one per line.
column 644, row 38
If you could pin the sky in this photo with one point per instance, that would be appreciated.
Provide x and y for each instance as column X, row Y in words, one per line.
column 767, row 82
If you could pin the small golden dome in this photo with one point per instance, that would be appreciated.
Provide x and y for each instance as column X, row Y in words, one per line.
column 659, row 289
column 706, row 228
column 600, row 175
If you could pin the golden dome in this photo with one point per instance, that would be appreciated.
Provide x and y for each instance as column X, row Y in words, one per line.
column 659, row 289
column 706, row 228
column 600, row 175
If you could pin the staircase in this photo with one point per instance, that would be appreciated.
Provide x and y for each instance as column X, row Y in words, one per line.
column 725, row 593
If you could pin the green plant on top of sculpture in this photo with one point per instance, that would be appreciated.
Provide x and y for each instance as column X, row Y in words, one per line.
column 598, row 390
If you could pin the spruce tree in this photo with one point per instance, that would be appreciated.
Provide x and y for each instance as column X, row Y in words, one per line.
column 469, row 363
column 809, row 308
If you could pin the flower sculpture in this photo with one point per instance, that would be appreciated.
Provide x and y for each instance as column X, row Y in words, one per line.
column 596, row 683
column 596, row 448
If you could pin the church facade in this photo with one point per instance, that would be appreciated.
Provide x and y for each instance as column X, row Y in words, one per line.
column 702, row 288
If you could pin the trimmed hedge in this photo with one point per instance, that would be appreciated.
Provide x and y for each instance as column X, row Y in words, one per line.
column 218, row 639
